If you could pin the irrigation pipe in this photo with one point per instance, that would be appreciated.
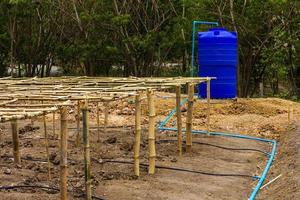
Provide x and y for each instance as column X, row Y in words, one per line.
column 11, row 187
column 222, row 147
column 270, row 155
column 182, row 169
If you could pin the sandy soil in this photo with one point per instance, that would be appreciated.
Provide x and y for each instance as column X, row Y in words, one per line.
column 259, row 117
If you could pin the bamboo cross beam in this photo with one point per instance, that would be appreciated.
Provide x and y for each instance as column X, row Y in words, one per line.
column 137, row 135
column 151, row 132
column 87, row 159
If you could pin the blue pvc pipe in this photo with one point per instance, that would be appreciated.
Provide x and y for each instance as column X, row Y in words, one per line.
column 271, row 155
column 193, row 40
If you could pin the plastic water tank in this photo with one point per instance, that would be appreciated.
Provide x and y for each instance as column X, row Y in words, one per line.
column 218, row 57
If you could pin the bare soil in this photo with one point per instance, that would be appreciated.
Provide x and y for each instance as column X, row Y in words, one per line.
column 259, row 117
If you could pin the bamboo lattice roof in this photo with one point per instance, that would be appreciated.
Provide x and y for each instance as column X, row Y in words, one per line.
column 46, row 95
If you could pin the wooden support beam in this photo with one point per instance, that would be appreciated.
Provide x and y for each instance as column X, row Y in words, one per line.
column 63, row 154
column 78, row 138
column 87, row 158
column 98, row 122
column 53, row 124
column 179, row 120
column 151, row 132
column 189, row 118
column 208, row 105
column 137, row 135
column 15, row 138
column 47, row 147
column 106, row 109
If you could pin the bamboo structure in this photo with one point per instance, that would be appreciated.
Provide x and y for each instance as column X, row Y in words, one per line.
column 53, row 125
column 63, row 154
column 98, row 123
column 137, row 135
column 47, row 147
column 208, row 105
column 87, row 159
column 189, row 117
column 106, row 108
column 15, row 139
column 78, row 124
column 20, row 97
column 151, row 132
column 179, row 120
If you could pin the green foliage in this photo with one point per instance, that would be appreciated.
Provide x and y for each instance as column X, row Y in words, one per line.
column 141, row 38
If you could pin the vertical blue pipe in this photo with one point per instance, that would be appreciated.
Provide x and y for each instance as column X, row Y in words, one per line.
column 193, row 40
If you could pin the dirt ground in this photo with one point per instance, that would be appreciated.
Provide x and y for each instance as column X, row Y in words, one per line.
column 266, row 118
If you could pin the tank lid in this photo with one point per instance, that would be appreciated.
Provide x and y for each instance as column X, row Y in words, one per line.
column 218, row 29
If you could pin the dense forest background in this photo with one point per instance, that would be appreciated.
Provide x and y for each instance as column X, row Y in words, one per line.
column 149, row 38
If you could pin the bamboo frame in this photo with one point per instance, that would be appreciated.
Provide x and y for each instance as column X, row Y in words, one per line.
column 47, row 147
column 98, row 122
column 179, row 120
column 59, row 92
column 53, row 124
column 208, row 105
column 87, row 159
column 137, row 135
column 15, row 139
column 78, row 138
column 189, row 117
column 151, row 132
column 106, row 109
column 63, row 154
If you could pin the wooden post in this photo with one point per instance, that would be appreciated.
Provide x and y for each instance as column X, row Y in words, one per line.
column 98, row 122
column 53, row 125
column 137, row 135
column 208, row 105
column 105, row 116
column 15, row 137
column 47, row 146
column 179, row 120
column 189, row 119
column 78, row 124
column 151, row 132
column 63, row 154
column 87, row 159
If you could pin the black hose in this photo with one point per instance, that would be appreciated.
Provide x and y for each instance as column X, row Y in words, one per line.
column 41, row 187
column 222, row 147
column 181, row 169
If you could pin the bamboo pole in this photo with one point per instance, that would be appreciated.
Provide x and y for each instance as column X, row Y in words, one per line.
column 151, row 132
column 53, row 124
column 189, row 118
column 105, row 116
column 208, row 105
column 87, row 159
column 78, row 124
column 98, row 122
column 47, row 147
column 63, row 154
column 15, row 137
column 179, row 120
column 137, row 138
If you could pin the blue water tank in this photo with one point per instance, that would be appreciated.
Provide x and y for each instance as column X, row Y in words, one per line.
column 218, row 57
